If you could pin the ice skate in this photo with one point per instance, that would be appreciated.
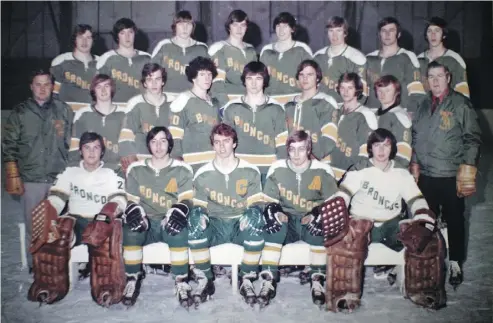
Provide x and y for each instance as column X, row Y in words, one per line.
column 183, row 291
column 267, row 290
column 456, row 275
column 132, row 289
column 246, row 288
column 317, row 289
column 305, row 275
column 205, row 287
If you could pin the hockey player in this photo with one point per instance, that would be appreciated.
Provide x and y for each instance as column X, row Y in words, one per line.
column 155, row 214
column 339, row 58
column 231, row 56
column 436, row 33
column 74, row 70
column 313, row 111
column 390, row 59
column 90, row 189
column 145, row 111
column 374, row 189
column 393, row 117
column 226, row 209
column 103, row 117
column 259, row 120
column 355, row 124
column 194, row 113
column 283, row 57
column 294, row 189
column 125, row 63
column 174, row 54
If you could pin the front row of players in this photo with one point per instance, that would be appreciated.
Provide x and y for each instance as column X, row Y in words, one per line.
column 223, row 202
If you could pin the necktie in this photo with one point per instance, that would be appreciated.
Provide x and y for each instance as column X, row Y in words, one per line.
column 434, row 104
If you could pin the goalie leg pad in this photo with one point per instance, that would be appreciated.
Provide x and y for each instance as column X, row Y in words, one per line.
column 50, row 264
column 345, row 267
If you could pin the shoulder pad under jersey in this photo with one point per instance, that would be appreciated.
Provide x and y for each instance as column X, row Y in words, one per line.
column 139, row 98
column 456, row 56
column 411, row 55
column 84, row 109
column 217, row 46
column 328, row 98
column 244, row 164
column 102, row 60
column 160, row 45
column 370, row 117
column 319, row 165
column 321, row 51
column 61, row 58
column 180, row 102
column 281, row 163
column 179, row 163
column 355, row 56
column 209, row 167
column 304, row 46
column 402, row 116
column 267, row 47
column 142, row 53
column 374, row 53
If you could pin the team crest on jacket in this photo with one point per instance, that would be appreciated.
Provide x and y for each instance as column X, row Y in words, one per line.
column 446, row 123
column 59, row 126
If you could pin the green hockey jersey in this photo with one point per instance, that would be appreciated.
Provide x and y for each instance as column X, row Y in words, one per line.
column 405, row 67
column 157, row 190
column 299, row 193
column 227, row 195
column 318, row 116
column 73, row 79
column 109, row 126
column 194, row 118
column 140, row 117
column 456, row 66
column 262, row 132
column 126, row 72
column 350, row 60
column 282, row 69
column 230, row 61
column 352, row 134
column 174, row 59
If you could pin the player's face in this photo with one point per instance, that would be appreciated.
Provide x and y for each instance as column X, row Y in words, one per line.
column 223, row 146
column 284, row 32
column 184, row 29
column 386, row 94
column 159, row 145
column 41, row 88
column 336, row 36
column 154, row 82
column 434, row 34
column 298, row 153
column 203, row 80
column 438, row 80
column 307, row 78
column 254, row 83
column 348, row 91
column 91, row 153
column 389, row 34
column 381, row 150
column 238, row 29
column 126, row 38
column 103, row 91
column 83, row 42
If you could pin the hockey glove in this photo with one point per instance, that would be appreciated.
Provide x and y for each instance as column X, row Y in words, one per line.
column 416, row 233
column 271, row 214
column 466, row 180
column 315, row 226
column 126, row 161
column 14, row 185
column 135, row 217
column 175, row 219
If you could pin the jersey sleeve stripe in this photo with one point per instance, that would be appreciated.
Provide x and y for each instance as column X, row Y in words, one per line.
column 176, row 132
column 330, row 131
column 221, row 75
column 64, row 196
column 362, row 151
column 187, row 195
column 198, row 158
column 258, row 160
column 268, row 199
column 338, row 172
column 326, row 159
column 281, row 139
column 404, row 150
column 463, row 88
column 76, row 106
column 126, row 135
column 415, row 88
column 366, row 89
column 259, row 197
column 74, row 144
column 133, row 198
column 197, row 202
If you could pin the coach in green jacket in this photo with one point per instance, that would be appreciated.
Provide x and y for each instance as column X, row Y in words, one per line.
column 446, row 140
column 35, row 145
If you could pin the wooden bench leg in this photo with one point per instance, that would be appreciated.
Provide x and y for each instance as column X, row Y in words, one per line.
column 234, row 278
column 22, row 236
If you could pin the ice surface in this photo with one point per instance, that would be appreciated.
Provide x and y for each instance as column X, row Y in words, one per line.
column 472, row 302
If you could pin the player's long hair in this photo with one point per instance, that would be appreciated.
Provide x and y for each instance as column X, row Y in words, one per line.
column 150, row 68
column 80, row 29
column 387, row 21
column 380, row 135
column 182, row 16
column 385, row 81
column 299, row 136
column 235, row 16
column 255, row 67
column 120, row 24
column 351, row 77
column 312, row 63
column 88, row 137
column 224, row 130
column 439, row 22
column 200, row 63
column 154, row 131
column 100, row 78
column 337, row 21
column 285, row 18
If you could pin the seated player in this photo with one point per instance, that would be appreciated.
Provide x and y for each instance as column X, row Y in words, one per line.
column 90, row 189
column 259, row 120
column 375, row 190
column 227, row 208
column 160, row 193
column 294, row 189
column 313, row 111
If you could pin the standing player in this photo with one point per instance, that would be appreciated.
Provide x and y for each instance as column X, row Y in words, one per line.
column 339, row 58
column 294, row 189
column 393, row 117
column 436, row 33
column 227, row 197
column 315, row 112
column 90, row 189
column 283, row 57
column 259, row 121
column 103, row 117
column 174, row 54
column 194, row 113
column 124, row 64
column 355, row 124
column 74, row 70
column 155, row 214
column 231, row 56
column 390, row 59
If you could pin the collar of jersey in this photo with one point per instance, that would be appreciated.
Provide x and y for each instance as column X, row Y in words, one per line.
column 147, row 161
column 389, row 167
column 217, row 169
column 309, row 166
column 85, row 170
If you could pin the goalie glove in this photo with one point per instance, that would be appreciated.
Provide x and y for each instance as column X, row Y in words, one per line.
column 175, row 219
column 315, row 222
column 416, row 233
column 271, row 214
column 135, row 217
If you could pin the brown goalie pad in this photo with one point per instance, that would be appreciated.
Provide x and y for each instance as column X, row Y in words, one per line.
column 335, row 217
column 345, row 267
column 425, row 272
column 44, row 225
column 104, row 238
column 50, row 263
